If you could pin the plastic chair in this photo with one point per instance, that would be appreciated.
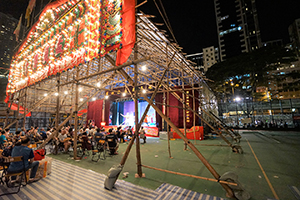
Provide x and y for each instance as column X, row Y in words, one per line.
column 101, row 149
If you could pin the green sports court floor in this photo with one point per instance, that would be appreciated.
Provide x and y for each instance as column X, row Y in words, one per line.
column 268, row 168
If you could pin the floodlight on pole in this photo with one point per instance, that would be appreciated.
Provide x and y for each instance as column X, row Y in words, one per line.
column 237, row 99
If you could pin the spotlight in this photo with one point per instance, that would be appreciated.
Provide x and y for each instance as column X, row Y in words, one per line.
column 56, row 94
column 94, row 98
column 98, row 84
column 66, row 92
column 144, row 68
column 144, row 91
column 45, row 94
column 81, row 99
column 124, row 94
column 106, row 97
column 79, row 89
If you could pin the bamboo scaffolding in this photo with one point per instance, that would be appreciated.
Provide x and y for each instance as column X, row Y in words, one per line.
column 189, row 175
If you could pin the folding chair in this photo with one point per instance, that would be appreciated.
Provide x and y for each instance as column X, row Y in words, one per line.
column 101, row 149
column 7, row 175
column 112, row 144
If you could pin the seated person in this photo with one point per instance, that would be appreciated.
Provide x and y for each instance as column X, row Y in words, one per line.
column 129, row 132
column 43, row 134
column 112, row 141
column 64, row 140
column 28, row 156
column 3, row 139
column 142, row 134
column 120, row 135
column 86, row 143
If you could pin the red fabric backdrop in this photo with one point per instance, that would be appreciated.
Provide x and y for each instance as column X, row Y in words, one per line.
column 176, row 114
column 128, row 37
column 95, row 111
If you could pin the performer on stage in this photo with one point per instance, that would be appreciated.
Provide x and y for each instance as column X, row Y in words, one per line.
column 128, row 119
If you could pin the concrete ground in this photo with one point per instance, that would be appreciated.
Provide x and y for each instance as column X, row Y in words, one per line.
column 267, row 168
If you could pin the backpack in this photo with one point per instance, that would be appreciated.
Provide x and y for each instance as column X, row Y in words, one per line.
column 7, row 151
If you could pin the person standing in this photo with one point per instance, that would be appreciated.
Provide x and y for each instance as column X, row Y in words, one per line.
column 142, row 134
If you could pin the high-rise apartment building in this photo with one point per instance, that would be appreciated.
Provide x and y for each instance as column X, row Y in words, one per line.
column 7, row 40
column 204, row 60
column 237, row 26
column 210, row 57
column 294, row 33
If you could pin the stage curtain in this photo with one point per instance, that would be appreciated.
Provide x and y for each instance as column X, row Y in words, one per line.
column 114, row 113
column 121, row 110
column 95, row 111
column 159, row 99
column 107, row 111
column 174, row 112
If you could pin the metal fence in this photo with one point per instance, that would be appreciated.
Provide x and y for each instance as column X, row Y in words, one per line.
column 275, row 113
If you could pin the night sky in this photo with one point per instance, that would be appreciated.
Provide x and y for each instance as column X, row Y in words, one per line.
column 194, row 23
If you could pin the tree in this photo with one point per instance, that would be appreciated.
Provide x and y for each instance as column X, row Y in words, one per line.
column 242, row 74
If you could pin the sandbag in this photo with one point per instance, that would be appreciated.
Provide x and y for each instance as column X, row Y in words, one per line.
column 112, row 176
column 239, row 191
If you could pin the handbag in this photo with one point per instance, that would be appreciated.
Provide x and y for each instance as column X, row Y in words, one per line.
column 39, row 154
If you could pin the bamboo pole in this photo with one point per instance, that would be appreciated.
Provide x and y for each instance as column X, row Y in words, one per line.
column 136, row 109
column 196, row 151
column 32, row 108
column 193, row 176
column 18, row 110
column 57, row 102
column 25, row 106
column 66, row 120
column 184, row 112
column 194, row 116
column 9, row 104
column 127, row 77
column 108, row 70
column 168, row 115
column 76, row 116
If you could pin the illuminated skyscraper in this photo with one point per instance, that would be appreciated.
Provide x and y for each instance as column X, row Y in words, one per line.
column 237, row 27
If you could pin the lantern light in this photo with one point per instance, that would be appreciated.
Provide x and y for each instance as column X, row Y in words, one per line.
column 144, row 68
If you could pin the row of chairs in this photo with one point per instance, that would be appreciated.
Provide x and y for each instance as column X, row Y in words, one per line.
column 103, row 147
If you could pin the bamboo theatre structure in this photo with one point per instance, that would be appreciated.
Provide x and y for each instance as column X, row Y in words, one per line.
column 82, row 50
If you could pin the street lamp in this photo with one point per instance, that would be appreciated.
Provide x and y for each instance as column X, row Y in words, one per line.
column 237, row 99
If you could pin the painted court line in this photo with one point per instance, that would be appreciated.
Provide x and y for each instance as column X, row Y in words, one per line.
column 263, row 171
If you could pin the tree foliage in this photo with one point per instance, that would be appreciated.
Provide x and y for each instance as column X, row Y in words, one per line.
column 245, row 72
